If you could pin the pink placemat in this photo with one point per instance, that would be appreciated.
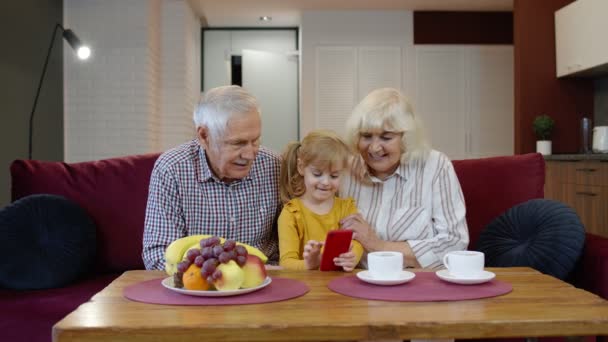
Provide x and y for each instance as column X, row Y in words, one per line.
column 152, row 291
column 426, row 287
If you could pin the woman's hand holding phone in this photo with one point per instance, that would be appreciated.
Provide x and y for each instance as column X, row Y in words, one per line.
column 348, row 260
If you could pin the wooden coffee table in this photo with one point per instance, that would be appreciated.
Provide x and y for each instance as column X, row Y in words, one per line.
column 539, row 305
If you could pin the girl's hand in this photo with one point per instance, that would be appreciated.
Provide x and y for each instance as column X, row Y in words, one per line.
column 312, row 254
column 363, row 232
column 346, row 260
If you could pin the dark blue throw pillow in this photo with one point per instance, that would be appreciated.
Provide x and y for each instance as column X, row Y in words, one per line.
column 543, row 234
column 46, row 241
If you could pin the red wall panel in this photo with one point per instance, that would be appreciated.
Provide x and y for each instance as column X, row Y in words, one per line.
column 463, row 27
column 537, row 90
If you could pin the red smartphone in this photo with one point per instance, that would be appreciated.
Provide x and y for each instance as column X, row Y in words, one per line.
column 336, row 243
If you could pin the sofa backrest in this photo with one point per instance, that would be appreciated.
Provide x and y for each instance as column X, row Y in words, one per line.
column 113, row 191
column 493, row 185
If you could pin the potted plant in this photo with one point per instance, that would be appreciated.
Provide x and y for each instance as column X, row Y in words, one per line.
column 543, row 127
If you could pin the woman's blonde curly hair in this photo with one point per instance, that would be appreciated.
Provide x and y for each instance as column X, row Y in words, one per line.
column 386, row 109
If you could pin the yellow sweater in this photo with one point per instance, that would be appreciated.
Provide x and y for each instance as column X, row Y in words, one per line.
column 298, row 225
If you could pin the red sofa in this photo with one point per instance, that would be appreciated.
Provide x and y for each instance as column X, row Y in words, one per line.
column 114, row 193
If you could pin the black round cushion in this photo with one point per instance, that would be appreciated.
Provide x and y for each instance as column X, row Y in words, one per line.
column 543, row 234
column 46, row 241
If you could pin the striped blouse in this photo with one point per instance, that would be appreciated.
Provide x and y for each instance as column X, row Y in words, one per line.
column 421, row 203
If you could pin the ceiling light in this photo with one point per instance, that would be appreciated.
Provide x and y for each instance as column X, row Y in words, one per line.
column 265, row 18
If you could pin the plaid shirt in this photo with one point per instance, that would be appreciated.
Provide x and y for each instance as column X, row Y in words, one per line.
column 186, row 198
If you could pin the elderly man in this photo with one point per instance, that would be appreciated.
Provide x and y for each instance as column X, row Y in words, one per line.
column 221, row 183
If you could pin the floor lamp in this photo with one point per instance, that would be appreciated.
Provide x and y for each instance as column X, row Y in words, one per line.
column 82, row 51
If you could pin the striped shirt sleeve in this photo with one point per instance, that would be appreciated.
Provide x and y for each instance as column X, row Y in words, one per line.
column 449, row 226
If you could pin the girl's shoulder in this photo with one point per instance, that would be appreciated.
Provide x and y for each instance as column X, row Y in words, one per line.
column 293, row 206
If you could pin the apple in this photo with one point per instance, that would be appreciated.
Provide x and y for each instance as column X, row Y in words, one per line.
column 232, row 277
column 255, row 272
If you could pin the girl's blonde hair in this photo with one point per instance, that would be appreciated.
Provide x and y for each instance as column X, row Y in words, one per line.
column 386, row 109
column 321, row 148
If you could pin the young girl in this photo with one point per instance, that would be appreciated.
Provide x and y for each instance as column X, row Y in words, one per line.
column 310, row 178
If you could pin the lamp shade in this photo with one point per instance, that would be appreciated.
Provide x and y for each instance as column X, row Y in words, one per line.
column 82, row 51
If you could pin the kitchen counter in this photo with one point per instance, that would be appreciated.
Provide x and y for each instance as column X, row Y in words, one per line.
column 578, row 156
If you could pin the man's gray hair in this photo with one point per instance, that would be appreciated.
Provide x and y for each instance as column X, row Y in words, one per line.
column 218, row 105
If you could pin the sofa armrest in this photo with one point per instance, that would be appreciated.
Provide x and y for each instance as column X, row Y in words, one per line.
column 591, row 272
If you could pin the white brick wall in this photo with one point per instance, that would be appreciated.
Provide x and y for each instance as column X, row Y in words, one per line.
column 154, row 76
column 180, row 72
column 134, row 95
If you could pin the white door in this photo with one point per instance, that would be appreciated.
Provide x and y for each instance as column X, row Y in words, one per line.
column 465, row 98
column 442, row 97
column 491, row 101
column 273, row 79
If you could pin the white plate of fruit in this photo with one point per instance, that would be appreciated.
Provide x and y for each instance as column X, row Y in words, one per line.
column 209, row 266
column 168, row 283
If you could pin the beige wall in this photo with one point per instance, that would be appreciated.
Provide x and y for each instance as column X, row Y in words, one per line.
column 25, row 30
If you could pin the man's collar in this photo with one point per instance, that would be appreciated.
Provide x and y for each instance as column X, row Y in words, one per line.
column 206, row 174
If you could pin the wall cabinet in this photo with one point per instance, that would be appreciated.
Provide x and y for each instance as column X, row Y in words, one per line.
column 583, row 185
column 580, row 38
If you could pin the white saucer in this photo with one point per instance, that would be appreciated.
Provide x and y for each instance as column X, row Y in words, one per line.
column 485, row 276
column 404, row 277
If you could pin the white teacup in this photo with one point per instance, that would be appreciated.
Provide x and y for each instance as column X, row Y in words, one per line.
column 385, row 265
column 464, row 264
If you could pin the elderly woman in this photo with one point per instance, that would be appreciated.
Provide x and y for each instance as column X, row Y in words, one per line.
column 408, row 195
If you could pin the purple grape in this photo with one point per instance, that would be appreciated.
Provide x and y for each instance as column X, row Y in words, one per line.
column 217, row 250
column 214, row 240
column 229, row 245
column 217, row 274
column 183, row 266
column 209, row 267
column 215, row 261
column 241, row 260
column 225, row 257
column 192, row 254
column 199, row 260
column 241, row 250
column 207, row 252
column 204, row 273
column 233, row 255
column 204, row 243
